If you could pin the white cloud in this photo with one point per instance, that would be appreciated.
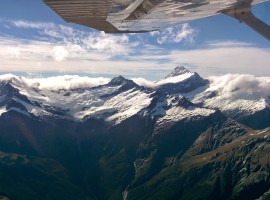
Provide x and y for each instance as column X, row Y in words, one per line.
column 60, row 53
column 65, row 35
column 66, row 82
column 77, row 50
column 57, row 82
column 228, row 43
column 54, row 48
column 41, row 56
column 80, row 51
column 175, row 34
column 28, row 24
column 109, row 43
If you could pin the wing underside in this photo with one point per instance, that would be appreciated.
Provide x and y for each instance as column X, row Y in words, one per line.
column 126, row 16
column 134, row 15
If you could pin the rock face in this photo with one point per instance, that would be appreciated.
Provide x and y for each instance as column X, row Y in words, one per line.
column 182, row 139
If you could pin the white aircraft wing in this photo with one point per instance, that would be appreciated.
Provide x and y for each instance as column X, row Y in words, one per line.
column 131, row 16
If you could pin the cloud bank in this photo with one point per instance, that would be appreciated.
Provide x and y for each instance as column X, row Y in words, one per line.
column 57, row 82
column 241, row 86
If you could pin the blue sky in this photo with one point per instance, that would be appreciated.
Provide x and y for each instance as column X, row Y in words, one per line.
column 34, row 41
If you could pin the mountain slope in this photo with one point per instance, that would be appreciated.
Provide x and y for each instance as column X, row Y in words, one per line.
column 112, row 102
column 241, row 97
column 24, row 177
column 228, row 161
column 180, row 139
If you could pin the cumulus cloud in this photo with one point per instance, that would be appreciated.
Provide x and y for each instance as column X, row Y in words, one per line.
column 67, row 36
column 58, row 48
column 109, row 43
column 175, row 34
column 60, row 53
column 241, row 86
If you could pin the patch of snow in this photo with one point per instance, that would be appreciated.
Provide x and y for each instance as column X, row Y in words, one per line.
column 2, row 110
column 174, row 79
column 37, row 111
column 20, row 111
column 128, row 104
column 168, row 111
column 119, row 107
column 156, row 84
column 179, row 113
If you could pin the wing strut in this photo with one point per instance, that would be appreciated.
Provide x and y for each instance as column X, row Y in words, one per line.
column 244, row 14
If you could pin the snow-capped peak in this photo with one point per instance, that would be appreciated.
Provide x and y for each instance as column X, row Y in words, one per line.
column 180, row 70
column 120, row 80
column 179, row 74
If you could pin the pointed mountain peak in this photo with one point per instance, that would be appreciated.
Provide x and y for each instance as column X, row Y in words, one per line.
column 120, row 80
column 7, row 87
column 180, row 70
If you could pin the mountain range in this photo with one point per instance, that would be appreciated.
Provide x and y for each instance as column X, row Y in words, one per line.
column 183, row 137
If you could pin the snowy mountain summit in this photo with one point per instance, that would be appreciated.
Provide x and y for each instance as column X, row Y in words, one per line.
column 180, row 80
column 180, row 70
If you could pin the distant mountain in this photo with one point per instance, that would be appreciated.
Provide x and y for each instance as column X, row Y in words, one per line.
column 183, row 138
column 122, row 98
column 180, row 80
column 178, row 71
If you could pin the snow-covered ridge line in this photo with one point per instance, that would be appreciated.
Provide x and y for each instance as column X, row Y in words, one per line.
column 114, row 101
column 175, row 79
column 179, row 74
column 155, row 84
column 117, row 99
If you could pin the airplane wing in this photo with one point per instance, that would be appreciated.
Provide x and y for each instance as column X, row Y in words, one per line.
column 132, row 16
